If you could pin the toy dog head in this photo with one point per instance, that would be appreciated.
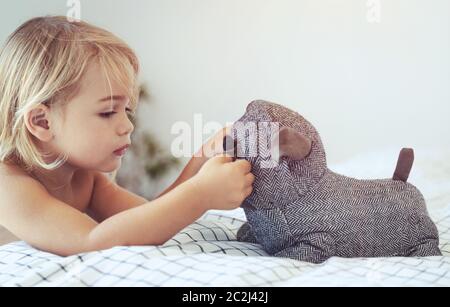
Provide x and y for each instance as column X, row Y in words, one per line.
column 285, row 151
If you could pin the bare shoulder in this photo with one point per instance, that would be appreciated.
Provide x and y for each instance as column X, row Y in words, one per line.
column 35, row 216
column 11, row 175
column 14, row 183
column 10, row 169
column 17, row 189
column 20, row 193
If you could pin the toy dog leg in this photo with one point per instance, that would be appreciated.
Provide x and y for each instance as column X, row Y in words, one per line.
column 314, row 247
column 245, row 234
column 426, row 249
column 304, row 252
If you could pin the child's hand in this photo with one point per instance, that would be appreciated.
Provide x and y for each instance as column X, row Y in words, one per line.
column 224, row 184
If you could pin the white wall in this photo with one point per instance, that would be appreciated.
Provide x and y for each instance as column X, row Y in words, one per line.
column 363, row 85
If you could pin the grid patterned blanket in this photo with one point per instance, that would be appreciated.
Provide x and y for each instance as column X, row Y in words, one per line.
column 207, row 254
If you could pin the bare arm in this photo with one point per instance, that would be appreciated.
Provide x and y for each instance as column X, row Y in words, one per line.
column 51, row 225
column 188, row 172
column 152, row 223
column 197, row 161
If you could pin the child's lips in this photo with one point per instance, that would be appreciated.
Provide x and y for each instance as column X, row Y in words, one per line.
column 122, row 150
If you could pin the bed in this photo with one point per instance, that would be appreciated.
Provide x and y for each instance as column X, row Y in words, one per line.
column 206, row 253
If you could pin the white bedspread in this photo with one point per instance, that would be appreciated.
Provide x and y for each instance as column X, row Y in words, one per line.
column 207, row 254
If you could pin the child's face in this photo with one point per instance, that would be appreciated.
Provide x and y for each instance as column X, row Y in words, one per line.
column 92, row 126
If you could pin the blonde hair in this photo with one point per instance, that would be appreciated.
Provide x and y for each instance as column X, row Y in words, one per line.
column 43, row 62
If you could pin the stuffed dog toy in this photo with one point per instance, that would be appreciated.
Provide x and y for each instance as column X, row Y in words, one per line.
column 302, row 210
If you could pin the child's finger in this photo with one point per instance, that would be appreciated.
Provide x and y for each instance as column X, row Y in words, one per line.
column 250, row 178
column 248, row 191
column 223, row 158
column 244, row 165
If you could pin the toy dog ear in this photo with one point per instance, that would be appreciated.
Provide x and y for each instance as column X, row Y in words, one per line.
column 290, row 143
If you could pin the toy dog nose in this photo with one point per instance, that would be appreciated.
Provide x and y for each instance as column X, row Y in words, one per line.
column 230, row 146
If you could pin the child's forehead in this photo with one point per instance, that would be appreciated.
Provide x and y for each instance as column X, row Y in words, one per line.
column 96, row 78
column 113, row 100
column 95, row 83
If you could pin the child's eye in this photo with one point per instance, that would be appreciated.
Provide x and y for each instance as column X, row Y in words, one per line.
column 130, row 113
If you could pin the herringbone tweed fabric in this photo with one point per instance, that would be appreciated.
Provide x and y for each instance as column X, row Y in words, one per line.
column 303, row 210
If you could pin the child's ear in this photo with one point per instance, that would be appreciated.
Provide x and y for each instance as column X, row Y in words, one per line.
column 37, row 122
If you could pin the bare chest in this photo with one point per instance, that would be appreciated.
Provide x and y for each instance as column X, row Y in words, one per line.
column 79, row 194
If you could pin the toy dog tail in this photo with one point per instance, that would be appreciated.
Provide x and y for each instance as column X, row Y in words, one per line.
column 404, row 164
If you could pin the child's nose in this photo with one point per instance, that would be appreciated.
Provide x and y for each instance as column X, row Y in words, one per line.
column 126, row 126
